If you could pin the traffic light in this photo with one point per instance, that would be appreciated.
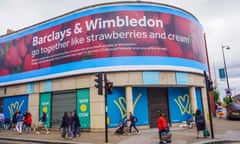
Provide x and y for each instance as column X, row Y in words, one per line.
column 210, row 85
column 99, row 82
column 109, row 87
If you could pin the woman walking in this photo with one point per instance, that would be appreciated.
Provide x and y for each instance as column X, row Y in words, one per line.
column 76, row 124
column 19, row 122
column 66, row 126
column 44, row 120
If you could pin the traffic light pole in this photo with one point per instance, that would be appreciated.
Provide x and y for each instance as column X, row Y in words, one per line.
column 208, row 100
column 106, row 107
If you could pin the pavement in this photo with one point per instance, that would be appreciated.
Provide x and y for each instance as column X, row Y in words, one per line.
column 224, row 131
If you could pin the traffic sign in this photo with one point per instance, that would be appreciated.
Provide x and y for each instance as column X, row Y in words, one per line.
column 228, row 92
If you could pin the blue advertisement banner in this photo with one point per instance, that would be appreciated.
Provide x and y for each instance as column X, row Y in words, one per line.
column 11, row 104
column 180, row 104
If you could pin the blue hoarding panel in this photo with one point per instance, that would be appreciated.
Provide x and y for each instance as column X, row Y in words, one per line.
column 180, row 104
column 11, row 104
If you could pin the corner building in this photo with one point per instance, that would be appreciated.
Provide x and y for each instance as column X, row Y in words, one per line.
column 153, row 53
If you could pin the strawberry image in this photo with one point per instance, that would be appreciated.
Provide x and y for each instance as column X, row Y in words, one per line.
column 28, row 39
column 27, row 65
column 4, row 71
column 21, row 47
column 182, row 25
column 124, row 51
column 166, row 18
column 155, row 51
column 174, row 49
column 155, row 16
column 189, row 55
column 12, row 57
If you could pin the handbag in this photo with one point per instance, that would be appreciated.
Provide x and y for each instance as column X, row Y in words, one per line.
column 206, row 133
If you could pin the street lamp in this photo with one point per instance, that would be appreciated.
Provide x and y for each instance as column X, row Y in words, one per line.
column 225, row 67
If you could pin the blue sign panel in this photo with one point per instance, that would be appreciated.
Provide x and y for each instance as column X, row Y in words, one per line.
column 140, row 105
column 11, row 104
column 180, row 104
column 117, row 106
column 222, row 74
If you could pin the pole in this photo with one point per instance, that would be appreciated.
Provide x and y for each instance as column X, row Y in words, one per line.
column 106, row 108
column 225, row 67
column 208, row 100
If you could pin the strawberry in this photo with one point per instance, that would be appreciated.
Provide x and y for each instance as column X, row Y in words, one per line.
column 174, row 49
column 166, row 18
column 4, row 71
column 189, row 55
column 28, row 39
column 28, row 66
column 182, row 25
column 12, row 58
column 21, row 47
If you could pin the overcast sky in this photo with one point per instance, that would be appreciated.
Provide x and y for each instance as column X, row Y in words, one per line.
column 219, row 18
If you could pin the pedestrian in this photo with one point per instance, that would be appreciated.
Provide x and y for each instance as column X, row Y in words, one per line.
column 44, row 120
column 133, row 120
column 14, row 120
column 19, row 122
column 162, row 125
column 2, row 120
column 66, row 126
column 76, row 125
column 121, row 128
column 200, row 122
column 28, row 121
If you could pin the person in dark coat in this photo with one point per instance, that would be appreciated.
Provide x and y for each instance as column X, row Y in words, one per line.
column 66, row 126
column 133, row 121
column 200, row 122
column 14, row 120
column 76, row 124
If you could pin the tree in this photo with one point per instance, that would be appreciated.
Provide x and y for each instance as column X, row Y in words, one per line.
column 216, row 96
column 226, row 99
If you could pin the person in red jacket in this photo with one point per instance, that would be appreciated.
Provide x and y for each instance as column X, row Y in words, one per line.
column 161, row 124
column 28, row 121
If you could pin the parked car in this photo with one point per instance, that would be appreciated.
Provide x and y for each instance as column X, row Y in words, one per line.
column 233, row 111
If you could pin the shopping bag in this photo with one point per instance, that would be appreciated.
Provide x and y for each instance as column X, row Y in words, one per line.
column 206, row 133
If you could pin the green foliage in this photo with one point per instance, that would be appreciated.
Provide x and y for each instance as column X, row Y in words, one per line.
column 216, row 96
column 227, row 99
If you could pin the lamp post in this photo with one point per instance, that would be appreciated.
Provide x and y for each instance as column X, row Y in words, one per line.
column 225, row 67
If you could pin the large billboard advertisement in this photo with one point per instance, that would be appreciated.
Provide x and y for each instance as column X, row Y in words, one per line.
column 114, row 37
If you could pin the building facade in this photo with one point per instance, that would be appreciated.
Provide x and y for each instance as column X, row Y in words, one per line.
column 153, row 53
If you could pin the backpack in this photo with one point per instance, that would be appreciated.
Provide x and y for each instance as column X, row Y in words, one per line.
column 135, row 119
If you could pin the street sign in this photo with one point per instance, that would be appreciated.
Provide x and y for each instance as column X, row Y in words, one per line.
column 222, row 74
column 228, row 92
